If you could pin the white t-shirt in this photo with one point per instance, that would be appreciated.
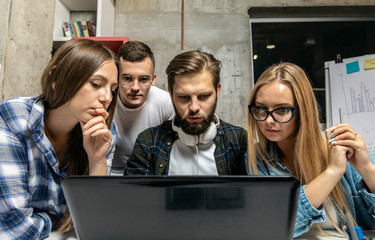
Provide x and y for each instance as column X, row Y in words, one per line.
column 192, row 160
column 327, row 225
column 130, row 122
column 194, row 154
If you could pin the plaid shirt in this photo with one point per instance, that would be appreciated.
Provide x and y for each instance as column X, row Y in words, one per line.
column 30, row 181
column 152, row 149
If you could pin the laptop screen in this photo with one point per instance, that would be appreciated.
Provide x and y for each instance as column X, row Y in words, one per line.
column 182, row 207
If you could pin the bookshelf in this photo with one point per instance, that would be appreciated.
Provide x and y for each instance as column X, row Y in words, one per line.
column 101, row 12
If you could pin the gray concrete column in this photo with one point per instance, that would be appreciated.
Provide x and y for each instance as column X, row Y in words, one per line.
column 25, row 46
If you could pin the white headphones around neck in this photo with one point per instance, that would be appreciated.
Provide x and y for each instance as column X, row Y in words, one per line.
column 192, row 140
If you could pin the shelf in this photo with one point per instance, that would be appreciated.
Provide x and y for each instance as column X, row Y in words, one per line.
column 81, row 5
column 113, row 43
column 102, row 10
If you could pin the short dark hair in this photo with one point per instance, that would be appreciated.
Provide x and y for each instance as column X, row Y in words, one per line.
column 193, row 62
column 135, row 51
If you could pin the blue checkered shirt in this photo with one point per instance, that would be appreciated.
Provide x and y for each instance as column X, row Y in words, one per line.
column 30, row 181
column 152, row 149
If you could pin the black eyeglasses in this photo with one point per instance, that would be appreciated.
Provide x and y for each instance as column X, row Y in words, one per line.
column 280, row 115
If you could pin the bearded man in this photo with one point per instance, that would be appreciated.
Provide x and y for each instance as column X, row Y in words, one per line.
column 195, row 141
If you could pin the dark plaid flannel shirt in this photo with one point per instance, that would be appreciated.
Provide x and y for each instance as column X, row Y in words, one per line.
column 152, row 149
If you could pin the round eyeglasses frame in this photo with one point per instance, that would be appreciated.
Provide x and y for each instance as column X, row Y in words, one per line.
column 293, row 109
column 142, row 84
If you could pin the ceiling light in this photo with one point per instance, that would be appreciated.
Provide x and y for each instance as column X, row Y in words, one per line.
column 270, row 44
column 309, row 42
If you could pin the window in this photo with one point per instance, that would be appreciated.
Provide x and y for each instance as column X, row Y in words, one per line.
column 309, row 41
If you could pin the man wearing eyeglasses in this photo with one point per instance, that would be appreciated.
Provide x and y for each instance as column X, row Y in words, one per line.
column 140, row 104
column 196, row 141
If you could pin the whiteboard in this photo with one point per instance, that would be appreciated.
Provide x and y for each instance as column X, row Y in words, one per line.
column 352, row 96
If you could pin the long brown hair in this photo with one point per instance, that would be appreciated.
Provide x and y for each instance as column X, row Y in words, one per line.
column 68, row 70
column 310, row 154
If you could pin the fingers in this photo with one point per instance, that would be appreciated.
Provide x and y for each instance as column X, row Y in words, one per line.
column 344, row 135
column 349, row 152
column 94, row 126
column 341, row 132
column 95, row 130
column 102, row 112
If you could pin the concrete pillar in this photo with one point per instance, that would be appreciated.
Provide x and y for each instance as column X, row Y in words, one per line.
column 27, row 45
column 4, row 16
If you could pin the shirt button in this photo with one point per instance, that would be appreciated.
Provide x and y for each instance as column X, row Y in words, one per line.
column 161, row 165
column 168, row 143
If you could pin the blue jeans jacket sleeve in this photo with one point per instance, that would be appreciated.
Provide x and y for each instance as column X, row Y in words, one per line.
column 306, row 214
column 361, row 202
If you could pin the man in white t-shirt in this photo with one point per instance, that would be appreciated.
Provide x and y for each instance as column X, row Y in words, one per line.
column 141, row 104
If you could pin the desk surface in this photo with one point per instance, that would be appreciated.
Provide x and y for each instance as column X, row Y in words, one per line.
column 307, row 236
column 334, row 235
column 71, row 235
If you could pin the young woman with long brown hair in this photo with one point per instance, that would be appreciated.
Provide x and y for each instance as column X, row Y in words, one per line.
column 65, row 131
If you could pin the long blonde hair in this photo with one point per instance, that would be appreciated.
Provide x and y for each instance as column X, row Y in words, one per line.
column 310, row 154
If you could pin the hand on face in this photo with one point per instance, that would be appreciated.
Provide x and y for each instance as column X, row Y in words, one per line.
column 97, row 137
column 343, row 137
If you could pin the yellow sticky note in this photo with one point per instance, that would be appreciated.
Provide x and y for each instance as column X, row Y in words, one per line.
column 369, row 63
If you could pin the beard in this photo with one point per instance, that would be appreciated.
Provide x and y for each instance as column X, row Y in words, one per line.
column 194, row 128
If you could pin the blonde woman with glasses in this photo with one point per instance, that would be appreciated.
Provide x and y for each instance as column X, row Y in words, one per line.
column 336, row 172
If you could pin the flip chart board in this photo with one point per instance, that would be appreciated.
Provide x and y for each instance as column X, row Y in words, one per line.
column 352, row 92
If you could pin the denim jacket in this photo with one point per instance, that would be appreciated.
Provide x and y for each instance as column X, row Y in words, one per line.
column 360, row 200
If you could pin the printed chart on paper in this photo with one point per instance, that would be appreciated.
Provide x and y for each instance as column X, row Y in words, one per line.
column 353, row 91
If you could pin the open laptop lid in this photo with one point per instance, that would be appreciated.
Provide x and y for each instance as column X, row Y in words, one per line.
column 182, row 207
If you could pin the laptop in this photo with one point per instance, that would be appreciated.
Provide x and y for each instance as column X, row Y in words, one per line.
column 182, row 207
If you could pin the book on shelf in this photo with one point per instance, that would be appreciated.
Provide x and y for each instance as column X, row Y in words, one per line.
column 79, row 29
column 71, row 29
column 84, row 28
column 89, row 28
column 93, row 28
column 66, row 30
column 76, row 27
